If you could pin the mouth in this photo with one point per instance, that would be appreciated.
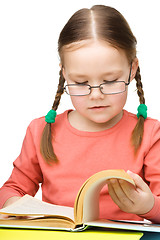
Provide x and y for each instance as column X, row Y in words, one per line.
column 98, row 108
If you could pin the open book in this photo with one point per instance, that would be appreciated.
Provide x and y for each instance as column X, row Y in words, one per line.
column 85, row 213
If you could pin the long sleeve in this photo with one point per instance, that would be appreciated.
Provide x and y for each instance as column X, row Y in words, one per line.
column 26, row 174
column 152, row 172
column 82, row 154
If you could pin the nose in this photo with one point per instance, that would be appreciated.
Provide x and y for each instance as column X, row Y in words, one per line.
column 96, row 93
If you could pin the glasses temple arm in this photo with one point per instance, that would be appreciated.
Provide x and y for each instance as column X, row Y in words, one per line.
column 129, row 75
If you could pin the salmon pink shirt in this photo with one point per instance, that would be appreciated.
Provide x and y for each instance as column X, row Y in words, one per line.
column 82, row 154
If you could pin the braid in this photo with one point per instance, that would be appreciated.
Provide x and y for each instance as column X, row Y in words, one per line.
column 46, row 147
column 139, row 85
column 137, row 134
column 60, row 91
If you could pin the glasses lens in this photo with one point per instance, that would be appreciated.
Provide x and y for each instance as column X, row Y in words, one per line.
column 77, row 89
column 113, row 87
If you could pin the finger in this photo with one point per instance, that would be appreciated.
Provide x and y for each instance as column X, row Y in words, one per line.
column 118, row 189
column 113, row 194
column 140, row 184
column 121, row 199
column 129, row 190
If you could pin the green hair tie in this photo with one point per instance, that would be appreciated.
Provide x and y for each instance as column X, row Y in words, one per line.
column 142, row 111
column 50, row 117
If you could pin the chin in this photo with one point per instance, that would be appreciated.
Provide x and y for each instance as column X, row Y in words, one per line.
column 112, row 119
column 101, row 120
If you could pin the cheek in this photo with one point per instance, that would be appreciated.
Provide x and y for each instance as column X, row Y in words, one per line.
column 118, row 100
column 78, row 102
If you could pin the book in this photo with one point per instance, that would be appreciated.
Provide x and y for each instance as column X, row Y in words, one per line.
column 42, row 215
column 19, row 234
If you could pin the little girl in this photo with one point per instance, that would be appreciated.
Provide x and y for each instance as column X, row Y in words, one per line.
column 98, row 61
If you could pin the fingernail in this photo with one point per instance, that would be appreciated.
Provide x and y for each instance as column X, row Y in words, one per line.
column 113, row 180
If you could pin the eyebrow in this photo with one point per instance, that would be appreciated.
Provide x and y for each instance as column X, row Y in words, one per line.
column 79, row 75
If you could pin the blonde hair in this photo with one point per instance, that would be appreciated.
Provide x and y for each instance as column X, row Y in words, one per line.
column 104, row 23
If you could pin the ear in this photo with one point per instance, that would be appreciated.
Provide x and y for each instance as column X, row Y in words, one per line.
column 135, row 65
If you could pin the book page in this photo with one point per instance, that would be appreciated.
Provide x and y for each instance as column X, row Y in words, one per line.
column 87, row 201
column 127, row 225
column 31, row 206
column 91, row 201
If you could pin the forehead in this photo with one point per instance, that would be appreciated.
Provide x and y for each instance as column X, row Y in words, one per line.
column 93, row 56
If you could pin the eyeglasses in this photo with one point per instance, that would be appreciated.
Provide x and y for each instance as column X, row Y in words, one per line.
column 108, row 88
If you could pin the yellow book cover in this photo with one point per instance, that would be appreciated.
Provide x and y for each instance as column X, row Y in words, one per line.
column 15, row 234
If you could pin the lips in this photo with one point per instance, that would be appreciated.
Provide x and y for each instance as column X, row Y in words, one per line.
column 98, row 107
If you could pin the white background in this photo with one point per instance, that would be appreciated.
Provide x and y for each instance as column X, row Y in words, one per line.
column 29, row 62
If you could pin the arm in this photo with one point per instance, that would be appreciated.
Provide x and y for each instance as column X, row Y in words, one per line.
column 26, row 175
column 144, row 200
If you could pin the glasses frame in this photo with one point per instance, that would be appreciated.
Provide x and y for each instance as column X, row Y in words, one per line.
column 100, row 86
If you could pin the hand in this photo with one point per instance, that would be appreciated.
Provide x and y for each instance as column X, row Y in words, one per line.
column 7, row 203
column 10, row 201
column 138, row 200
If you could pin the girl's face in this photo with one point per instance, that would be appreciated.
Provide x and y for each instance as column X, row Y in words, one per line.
column 95, row 63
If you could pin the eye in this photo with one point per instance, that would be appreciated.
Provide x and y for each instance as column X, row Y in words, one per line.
column 85, row 82
column 110, row 81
